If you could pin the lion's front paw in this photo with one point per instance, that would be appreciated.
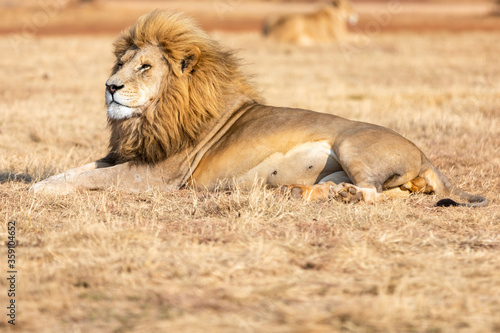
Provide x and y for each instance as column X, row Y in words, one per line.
column 55, row 185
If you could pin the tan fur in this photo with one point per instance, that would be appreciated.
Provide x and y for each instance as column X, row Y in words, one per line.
column 182, row 114
column 326, row 25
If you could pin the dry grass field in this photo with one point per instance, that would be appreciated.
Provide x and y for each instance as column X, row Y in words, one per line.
column 254, row 261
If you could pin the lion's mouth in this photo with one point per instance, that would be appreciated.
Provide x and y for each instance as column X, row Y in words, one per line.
column 118, row 103
column 110, row 99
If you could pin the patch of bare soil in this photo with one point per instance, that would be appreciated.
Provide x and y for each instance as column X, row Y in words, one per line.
column 59, row 17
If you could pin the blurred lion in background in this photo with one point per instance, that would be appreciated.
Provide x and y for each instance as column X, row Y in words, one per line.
column 327, row 25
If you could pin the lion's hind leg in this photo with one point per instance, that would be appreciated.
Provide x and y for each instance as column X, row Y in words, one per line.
column 371, row 195
column 344, row 192
column 416, row 185
column 315, row 192
column 350, row 193
column 335, row 186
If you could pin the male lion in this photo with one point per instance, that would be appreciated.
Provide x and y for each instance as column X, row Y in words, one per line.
column 327, row 25
column 182, row 114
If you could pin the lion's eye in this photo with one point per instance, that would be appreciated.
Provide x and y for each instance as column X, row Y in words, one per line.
column 145, row 67
column 119, row 66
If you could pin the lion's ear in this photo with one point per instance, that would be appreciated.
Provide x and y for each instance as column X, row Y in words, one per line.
column 334, row 3
column 191, row 59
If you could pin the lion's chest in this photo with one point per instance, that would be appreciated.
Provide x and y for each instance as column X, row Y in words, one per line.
column 305, row 163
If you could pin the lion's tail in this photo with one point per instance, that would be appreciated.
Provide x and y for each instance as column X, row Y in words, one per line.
column 444, row 186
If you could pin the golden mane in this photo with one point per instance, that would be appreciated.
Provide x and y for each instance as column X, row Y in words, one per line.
column 186, row 105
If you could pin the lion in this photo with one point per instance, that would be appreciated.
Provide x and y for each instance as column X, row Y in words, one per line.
column 182, row 114
column 327, row 25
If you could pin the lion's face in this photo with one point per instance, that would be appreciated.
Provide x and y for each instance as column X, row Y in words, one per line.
column 346, row 11
column 136, row 81
column 169, row 86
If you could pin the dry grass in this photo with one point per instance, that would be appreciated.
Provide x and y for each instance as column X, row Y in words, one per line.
column 253, row 261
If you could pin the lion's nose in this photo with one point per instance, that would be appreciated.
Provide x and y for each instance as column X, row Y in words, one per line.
column 112, row 88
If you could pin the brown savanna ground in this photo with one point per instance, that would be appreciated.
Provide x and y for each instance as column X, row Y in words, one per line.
column 56, row 17
column 253, row 261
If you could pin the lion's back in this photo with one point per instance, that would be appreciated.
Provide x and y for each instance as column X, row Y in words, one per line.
column 324, row 26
